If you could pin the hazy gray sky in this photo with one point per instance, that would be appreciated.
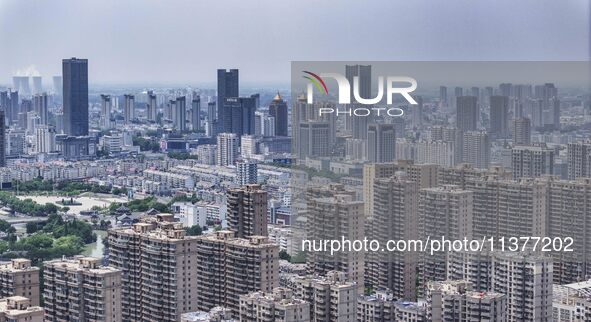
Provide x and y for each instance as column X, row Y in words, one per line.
column 185, row 41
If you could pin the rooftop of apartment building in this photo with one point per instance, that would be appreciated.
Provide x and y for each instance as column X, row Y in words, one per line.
column 161, row 226
column 229, row 237
column 17, row 264
column 332, row 279
column 82, row 264
column 18, row 305
column 280, row 296
column 217, row 313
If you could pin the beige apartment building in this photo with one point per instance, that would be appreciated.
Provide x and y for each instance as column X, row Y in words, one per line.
column 396, row 205
column 454, row 301
column 80, row 289
column 332, row 298
column 247, row 211
column 444, row 212
column 277, row 306
column 19, row 278
column 424, row 174
column 227, row 267
column 158, row 265
column 334, row 214
column 19, row 309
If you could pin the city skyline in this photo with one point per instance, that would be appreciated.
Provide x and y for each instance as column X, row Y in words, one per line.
column 561, row 33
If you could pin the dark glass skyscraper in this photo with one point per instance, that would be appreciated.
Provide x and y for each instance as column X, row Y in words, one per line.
column 278, row 109
column 75, row 87
column 227, row 87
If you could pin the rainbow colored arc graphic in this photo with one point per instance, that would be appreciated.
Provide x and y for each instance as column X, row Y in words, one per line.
column 316, row 80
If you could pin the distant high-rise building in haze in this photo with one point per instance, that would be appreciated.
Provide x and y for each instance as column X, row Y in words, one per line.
column 152, row 107
column 467, row 113
column 129, row 108
column 13, row 111
column 21, row 84
column 75, row 87
column 313, row 140
column 40, row 106
column 247, row 211
column 211, row 119
column 532, row 161
column 196, row 113
column 228, row 86
column 381, row 143
column 442, row 96
column 37, row 85
column 458, row 91
column 499, row 117
column 278, row 109
column 106, row 107
column 416, row 112
column 179, row 114
column 2, row 139
column 506, row 89
column 358, row 125
column 58, row 85
column 476, row 149
column 522, row 131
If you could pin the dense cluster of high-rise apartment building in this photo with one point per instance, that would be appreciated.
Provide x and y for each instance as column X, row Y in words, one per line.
column 471, row 163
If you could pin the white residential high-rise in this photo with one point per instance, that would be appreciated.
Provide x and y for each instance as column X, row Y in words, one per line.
column 246, row 173
column 476, row 149
column 44, row 139
column 227, row 149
